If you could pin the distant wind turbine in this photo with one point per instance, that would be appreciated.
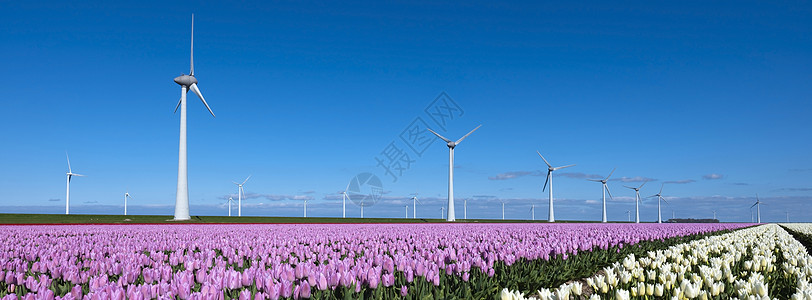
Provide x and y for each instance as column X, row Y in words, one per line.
column 629, row 215
column 126, row 195
column 451, row 145
column 503, row 209
column 67, row 191
column 465, row 208
column 659, row 198
column 550, row 169
column 533, row 212
column 758, row 208
column 605, row 190
column 240, row 193
column 442, row 212
column 407, row 211
column 230, row 200
column 414, row 205
column 714, row 214
column 305, row 207
column 344, row 201
column 186, row 82
column 636, row 201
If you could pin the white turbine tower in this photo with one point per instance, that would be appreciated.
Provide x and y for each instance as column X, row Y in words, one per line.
column 758, row 209
column 451, row 144
column 240, row 193
column 407, row 211
column 629, row 215
column 465, row 208
column 126, row 195
column 533, row 212
column 659, row 198
column 636, row 200
column 714, row 214
column 305, row 207
column 230, row 200
column 503, row 209
column 344, row 201
column 414, row 205
column 67, row 191
column 605, row 190
column 442, row 212
column 550, row 169
column 186, row 82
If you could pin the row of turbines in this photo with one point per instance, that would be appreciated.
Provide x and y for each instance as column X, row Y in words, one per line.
column 189, row 83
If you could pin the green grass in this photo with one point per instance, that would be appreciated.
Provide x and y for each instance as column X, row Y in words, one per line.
column 120, row 219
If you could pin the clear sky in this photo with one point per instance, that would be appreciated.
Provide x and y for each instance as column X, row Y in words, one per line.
column 712, row 99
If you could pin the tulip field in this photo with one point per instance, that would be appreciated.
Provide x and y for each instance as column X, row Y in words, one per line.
column 409, row 261
column 762, row 262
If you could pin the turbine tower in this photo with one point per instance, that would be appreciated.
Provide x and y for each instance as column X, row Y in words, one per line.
column 636, row 200
column 67, row 191
column 407, row 211
column 605, row 190
column 758, row 209
column 451, row 144
column 550, row 169
column 126, row 195
column 240, row 193
column 442, row 212
column 305, row 207
column 659, row 198
column 344, row 201
column 503, row 209
column 629, row 215
column 414, row 205
column 714, row 214
column 186, row 82
column 465, row 208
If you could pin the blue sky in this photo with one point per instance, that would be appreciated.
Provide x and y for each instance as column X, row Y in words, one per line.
column 713, row 98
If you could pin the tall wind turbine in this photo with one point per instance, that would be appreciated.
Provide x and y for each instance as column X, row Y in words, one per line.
column 240, row 192
column 605, row 190
column 344, row 201
column 465, row 208
column 659, row 198
column 550, row 169
column 126, row 195
column 67, row 191
column 186, row 82
column 758, row 208
column 414, row 205
column 305, row 207
column 230, row 200
column 451, row 144
column 407, row 211
column 636, row 201
column 442, row 212
column 533, row 212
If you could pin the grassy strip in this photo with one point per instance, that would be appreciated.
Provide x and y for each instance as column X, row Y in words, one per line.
column 805, row 240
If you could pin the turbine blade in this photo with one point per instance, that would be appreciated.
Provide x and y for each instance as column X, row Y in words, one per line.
column 595, row 180
column 176, row 106
column 661, row 188
column 610, row 174
column 68, row 157
column 200, row 95
column 559, row 168
column 542, row 158
column 754, row 204
column 80, row 175
column 666, row 201
column 439, row 136
column 628, row 187
column 465, row 136
column 246, row 179
column 548, row 179
column 644, row 183
column 192, row 52
column 610, row 193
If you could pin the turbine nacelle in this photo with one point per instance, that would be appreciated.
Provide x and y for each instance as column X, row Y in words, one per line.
column 186, row 80
column 451, row 144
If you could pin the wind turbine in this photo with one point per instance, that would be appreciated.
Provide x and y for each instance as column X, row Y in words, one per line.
column 414, row 205
column 503, row 209
column 636, row 201
column 407, row 211
column 126, row 195
column 533, row 212
column 714, row 214
column 186, row 82
column 67, row 191
column 451, row 144
column 305, row 207
column 659, row 198
column 442, row 212
column 605, row 190
column 230, row 200
column 550, row 169
column 629, row 215
column 240, row 192
column 465, row 208
column 758, row 208
column 344, row 201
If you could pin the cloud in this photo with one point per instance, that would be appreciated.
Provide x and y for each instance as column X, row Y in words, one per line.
column 55, row 200
column 795, row 189
column 271, row 197
column 91, row 202
column 713, row 176
column 579, row 175
column 591, row 201
column 510, row 175
column 308, row 192
column 740, row 183
column 633, row 179
column 684, row 181
column 506, row 189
